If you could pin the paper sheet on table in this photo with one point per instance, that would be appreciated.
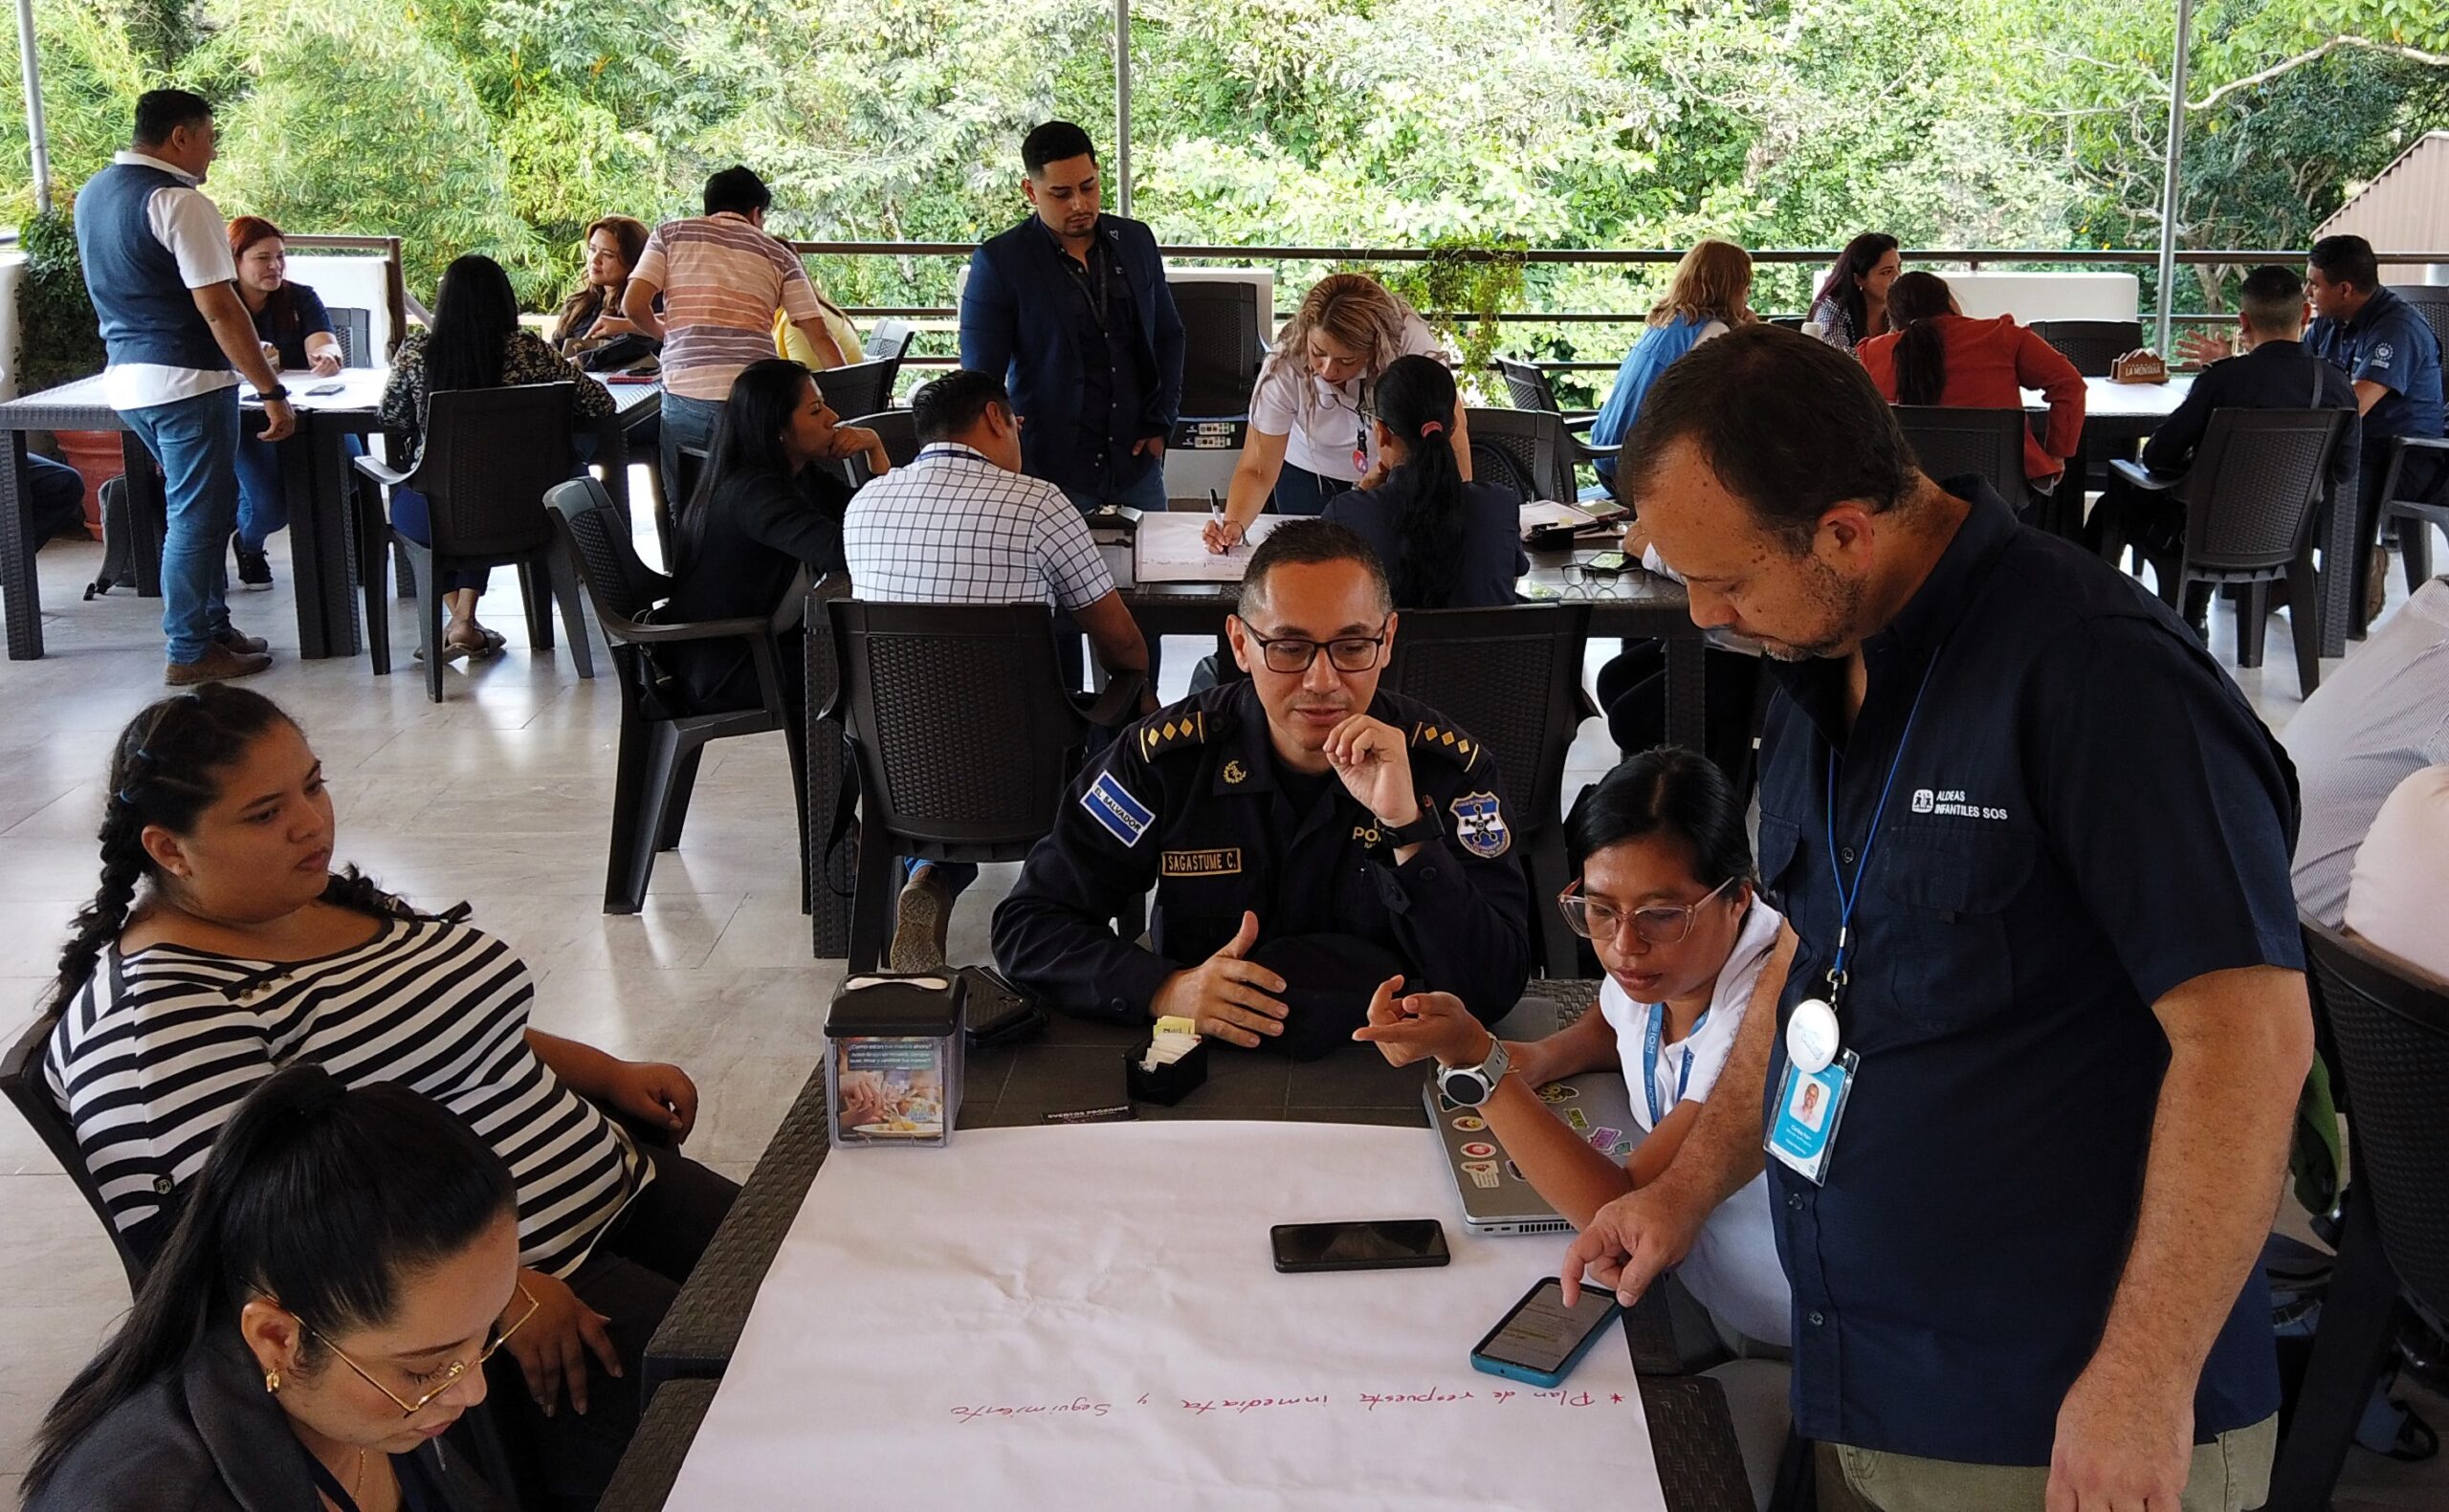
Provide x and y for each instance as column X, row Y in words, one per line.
column 1543, row 513
column 1168, row 547
column 1062, row 1318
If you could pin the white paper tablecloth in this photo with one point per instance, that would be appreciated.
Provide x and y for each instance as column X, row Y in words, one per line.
column 1066, row 1318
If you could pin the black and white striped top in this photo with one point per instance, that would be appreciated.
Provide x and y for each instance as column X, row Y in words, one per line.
column 161, row 1047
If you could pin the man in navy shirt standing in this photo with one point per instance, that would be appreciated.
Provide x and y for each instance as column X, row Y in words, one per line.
column 1072, row 309
column 2034, row 845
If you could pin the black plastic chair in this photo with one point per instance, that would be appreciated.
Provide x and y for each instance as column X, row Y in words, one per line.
column 1529, row 451
column 1948, row 443
column 2251, row 498
column 861, row 388
column 660, row 740
column 23, row 1081
column 916, row 684
column 490, row 455
column 1221, row 347
column 1512, row 677
column 354, row 329
column 2091, row 345
column 898, row 429
column 2419, row 515
column 889, row 340
column 2391, row 1037
column 1527, row 384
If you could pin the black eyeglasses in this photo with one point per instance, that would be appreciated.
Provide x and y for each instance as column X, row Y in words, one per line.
column 1346, row 654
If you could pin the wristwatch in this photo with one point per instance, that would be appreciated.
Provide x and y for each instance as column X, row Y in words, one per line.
column 1470, row 1085
column 1392, row 838
column 275, row 391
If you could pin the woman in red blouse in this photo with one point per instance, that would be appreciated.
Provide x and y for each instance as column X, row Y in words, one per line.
column 1934, row 354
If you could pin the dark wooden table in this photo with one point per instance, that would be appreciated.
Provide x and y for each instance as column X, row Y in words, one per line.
column 315, row 473
column 1077, row 1063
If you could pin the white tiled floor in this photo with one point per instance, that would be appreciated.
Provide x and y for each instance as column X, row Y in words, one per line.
column 498, row 796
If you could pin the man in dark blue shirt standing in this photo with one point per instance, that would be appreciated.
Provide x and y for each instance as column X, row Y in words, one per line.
column 1071, row 309
column 2034, row 845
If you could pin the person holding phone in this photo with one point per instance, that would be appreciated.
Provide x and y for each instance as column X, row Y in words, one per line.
column 1666, row 898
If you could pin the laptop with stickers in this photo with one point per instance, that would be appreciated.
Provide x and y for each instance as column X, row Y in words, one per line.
column 1496, row 1199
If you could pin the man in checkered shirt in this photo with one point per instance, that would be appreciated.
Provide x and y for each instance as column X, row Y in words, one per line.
column 963, row 524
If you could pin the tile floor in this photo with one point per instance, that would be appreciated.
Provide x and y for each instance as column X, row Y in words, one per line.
column 498, row 796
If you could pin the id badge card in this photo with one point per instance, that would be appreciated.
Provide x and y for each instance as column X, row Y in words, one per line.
column 1810, row 1105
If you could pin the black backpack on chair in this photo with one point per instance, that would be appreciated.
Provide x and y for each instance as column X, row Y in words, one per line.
column 118, row 541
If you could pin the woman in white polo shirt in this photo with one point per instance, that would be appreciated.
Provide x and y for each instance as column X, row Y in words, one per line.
column 1665, row 898
column 1309, row 414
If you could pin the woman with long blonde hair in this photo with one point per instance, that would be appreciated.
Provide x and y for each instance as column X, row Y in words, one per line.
column 1710, row 295
column 1310, row 437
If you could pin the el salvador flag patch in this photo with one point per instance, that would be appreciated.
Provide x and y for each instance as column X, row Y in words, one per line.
column 1111, row 805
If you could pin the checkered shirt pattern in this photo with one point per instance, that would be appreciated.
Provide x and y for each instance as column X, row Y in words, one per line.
column 954, row 528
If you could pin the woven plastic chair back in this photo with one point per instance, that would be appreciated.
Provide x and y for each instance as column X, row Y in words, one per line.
column 1220, row 348
column 889, row 340
column 354, row 330
column 861, row 388
column 1510, row 678
column 1527, row 384
column 2392, row 1039
column 898, row 429
column 2091, row 345
column 1534, row 442
column 958, row 714
column 23, row 1081
column 2430, row 300
column 2255, row 484
column 1949, row 443
column 621, row 586
column 490, row 454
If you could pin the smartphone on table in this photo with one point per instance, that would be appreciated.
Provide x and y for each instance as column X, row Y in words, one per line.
column 1608, row 562
column 1541, row 1340
column 1379, row 1244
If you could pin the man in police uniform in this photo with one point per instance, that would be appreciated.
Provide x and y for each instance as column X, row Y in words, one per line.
column 2034, row 848
column 1301, row 802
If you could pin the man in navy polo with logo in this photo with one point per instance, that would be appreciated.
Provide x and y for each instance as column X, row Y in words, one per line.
column 2386, row 346
column 1307, row 833
column 1072, row 309
column 2034, row 845
column 156, row 258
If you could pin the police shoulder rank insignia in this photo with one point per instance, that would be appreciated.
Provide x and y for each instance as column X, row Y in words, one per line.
column 1479, row 825
column 1173, row 729
column 1112, row 806
column 1464, row 751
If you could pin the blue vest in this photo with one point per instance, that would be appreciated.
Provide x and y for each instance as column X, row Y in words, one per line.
column 1652, row 355
column 148, row 313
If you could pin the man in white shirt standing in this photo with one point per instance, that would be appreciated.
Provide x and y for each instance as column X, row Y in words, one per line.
column 963, row 524
column 156, row 258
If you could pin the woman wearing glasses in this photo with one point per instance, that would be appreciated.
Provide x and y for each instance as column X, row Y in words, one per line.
column 344, row 1265
column 222, row 947
column 1665, row 898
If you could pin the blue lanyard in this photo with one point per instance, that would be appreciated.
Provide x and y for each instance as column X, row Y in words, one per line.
column 1649, row 1059
column 1848, row 894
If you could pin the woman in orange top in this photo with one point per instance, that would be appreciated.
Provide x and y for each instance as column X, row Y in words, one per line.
column 1937, row 355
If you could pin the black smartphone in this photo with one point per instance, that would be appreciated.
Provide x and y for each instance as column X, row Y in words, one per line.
column 327, row 388
column 1385, row 1245
column 1607, row 561
column 1541, row 1339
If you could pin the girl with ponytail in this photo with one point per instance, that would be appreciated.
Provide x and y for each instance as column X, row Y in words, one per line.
column 319, row 1315
column 221, row 947
column 1934, row 354
column 1446, row 542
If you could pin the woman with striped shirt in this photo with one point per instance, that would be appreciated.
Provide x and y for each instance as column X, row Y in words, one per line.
column 222, row 947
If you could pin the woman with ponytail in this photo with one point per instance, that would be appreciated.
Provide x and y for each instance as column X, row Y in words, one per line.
column 346, row 1263
column 1934, row 354
column 222, row 947
column 1447, row 543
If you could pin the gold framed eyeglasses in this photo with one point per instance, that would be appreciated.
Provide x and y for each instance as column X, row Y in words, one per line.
column 451, row 1375
column 1659, row 924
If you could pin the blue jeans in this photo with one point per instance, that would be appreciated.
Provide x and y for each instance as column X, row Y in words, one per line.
column 196, row 442
column 958, row 875
column 263, row 502
column 1148, row 493
column 683, row 423
column 1298, row 491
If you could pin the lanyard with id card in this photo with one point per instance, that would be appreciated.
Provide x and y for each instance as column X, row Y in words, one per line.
column 1819, row 1071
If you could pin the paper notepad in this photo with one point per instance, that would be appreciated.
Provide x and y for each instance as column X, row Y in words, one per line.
column 1170, row 546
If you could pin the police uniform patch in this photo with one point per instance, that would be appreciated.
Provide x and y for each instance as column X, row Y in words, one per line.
column 1172, row 731
column 1224, row 862
column 1479, row 825
column 1234, row 773
column 1112, row 805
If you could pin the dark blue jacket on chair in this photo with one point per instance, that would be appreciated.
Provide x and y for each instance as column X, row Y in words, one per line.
column 1017, row 319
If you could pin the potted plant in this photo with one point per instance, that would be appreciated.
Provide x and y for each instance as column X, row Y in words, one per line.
column 1461, row 289
column 60, row 341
